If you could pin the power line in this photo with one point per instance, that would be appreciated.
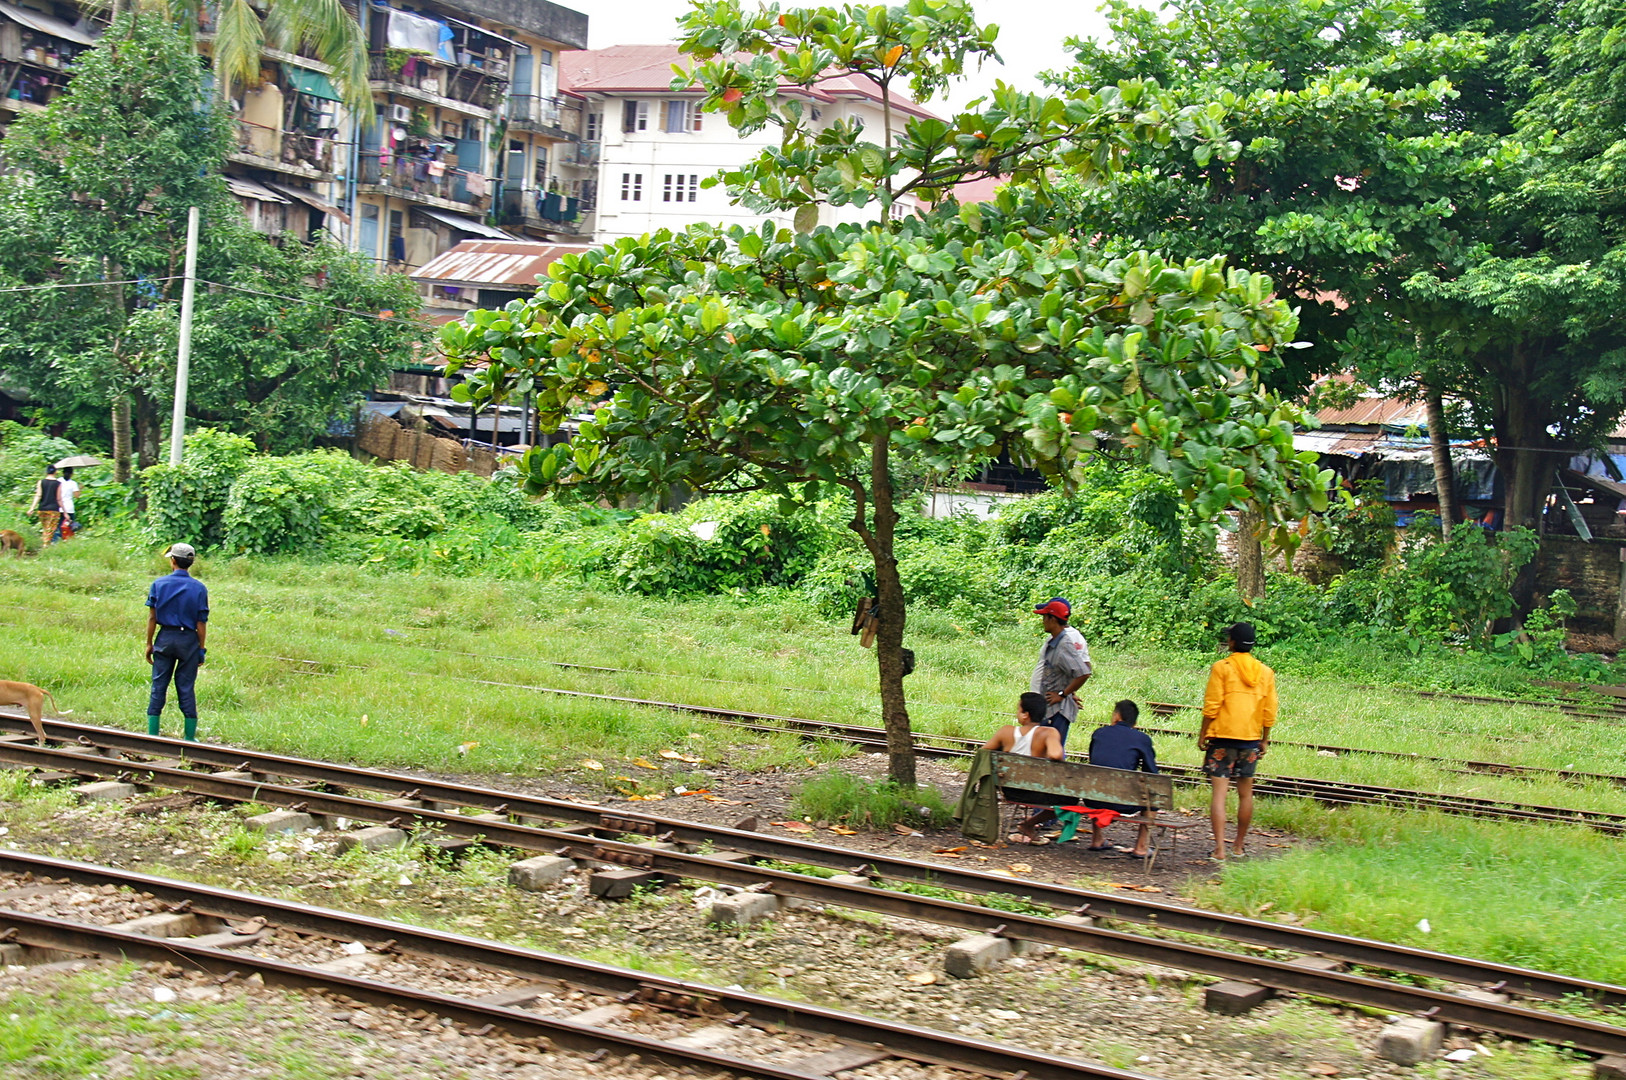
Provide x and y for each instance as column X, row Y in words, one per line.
column 85, row 284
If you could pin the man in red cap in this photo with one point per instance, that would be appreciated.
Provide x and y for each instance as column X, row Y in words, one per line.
column 1064, row 665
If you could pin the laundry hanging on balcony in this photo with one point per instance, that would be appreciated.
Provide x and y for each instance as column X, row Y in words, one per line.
column 415, row 33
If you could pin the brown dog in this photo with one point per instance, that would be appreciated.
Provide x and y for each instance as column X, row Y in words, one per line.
column 14, row 541
column 29, row 697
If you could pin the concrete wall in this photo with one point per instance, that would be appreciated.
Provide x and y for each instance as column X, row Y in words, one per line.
column 551, row 21
column 1590, row 571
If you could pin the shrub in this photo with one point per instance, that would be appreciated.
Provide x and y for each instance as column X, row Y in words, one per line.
column 188, row 501
column 24, row 453
column 751, row 544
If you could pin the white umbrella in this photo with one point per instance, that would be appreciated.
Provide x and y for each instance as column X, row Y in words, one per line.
column 79, row 461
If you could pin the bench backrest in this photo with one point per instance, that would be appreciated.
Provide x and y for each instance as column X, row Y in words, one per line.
column 1090, row 783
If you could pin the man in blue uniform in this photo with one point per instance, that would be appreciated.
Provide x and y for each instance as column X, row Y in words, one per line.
column 177, row 626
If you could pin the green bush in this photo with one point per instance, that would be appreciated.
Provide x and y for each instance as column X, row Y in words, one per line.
column 24, row 454
column 752, row 544
column 188, row 501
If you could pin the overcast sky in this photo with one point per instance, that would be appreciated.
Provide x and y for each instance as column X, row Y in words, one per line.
column 1031, row 33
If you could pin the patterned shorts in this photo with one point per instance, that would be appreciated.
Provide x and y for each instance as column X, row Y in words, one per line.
column 1231, row 758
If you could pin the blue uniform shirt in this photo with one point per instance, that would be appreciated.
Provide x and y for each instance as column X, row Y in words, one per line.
column 1115, row 746
column 179, row 599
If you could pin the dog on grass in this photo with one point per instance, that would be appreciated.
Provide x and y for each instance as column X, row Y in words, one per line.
column 29, row 697
column 14, row 541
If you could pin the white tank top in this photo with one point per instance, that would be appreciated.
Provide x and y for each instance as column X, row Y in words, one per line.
column 1023, row 744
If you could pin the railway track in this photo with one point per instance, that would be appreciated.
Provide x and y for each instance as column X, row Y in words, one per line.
column 680, row 849
column 1336, row 793
column 714, row 1017
column 1465, row 765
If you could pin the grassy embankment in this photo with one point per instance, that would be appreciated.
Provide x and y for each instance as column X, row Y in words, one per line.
column 420, row 647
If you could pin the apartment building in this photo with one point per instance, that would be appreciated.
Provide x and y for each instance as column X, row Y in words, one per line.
column 645, row 148
column 466, row 141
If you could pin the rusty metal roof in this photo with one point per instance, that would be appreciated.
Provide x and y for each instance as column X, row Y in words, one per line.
column 1377, row 410
column 493, row 264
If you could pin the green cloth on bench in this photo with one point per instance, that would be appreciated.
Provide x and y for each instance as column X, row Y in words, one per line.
column 978, row 809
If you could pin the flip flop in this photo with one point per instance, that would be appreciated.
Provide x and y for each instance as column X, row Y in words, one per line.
column 1132, row 855
column 1103, row 847
column 1018, row 838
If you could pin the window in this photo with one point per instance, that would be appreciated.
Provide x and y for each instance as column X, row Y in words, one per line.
column 632, row 187
column 677, row 187
column 546, row 56
column 595, row 127
column 635, row 116
column 541, row 166
column 682, row 116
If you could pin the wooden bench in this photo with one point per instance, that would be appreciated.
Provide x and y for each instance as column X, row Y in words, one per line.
column 1082, row 783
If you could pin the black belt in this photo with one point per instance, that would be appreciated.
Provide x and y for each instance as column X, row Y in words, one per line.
column 188, row 629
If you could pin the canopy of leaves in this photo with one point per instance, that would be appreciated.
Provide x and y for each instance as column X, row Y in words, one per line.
column 741, row 359
column 1345, row 181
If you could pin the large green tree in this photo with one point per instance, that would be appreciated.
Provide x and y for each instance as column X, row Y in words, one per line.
column 1523, row 318
column 93, row 217
column 825, row 359
column 1432, row 183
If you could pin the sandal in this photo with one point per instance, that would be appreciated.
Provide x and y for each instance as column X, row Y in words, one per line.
column 1103, row 847
column 1018, row 838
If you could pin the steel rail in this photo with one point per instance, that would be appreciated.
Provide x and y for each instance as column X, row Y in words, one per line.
column 1496, row 767
column 905, row 1041
column 1255, row 932
column 86, row 939
column 1511, row 1020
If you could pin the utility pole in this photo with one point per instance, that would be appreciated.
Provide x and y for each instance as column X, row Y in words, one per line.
column 183, row 351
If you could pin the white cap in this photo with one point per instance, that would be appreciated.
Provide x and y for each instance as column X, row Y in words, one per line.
column 180, row 551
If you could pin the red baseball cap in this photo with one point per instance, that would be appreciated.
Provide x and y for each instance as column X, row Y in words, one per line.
column 1056, row 606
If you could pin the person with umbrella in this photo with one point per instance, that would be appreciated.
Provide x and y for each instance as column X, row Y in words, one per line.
column 69, row 491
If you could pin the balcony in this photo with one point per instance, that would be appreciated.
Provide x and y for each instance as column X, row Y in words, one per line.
column 408, row 178
column 582, row 155
column 290, row 152
column 540, row 211
column 556, row 117
column 471, row 90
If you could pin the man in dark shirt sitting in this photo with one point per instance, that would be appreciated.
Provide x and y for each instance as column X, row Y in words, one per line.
column 1120, row 745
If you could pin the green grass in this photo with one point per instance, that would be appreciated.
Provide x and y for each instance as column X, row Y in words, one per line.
column 70, row 1028
column 1534, row 896
column 837, row 796
column 409, row 665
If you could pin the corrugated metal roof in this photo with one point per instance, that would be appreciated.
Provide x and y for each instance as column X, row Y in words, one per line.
column 463, row 223
column 252, row 189
column 48, row 24
column 493, row 263
column 1377, row 410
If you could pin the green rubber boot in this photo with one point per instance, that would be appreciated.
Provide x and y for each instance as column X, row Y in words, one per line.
column 152, row 725
column 191, row 729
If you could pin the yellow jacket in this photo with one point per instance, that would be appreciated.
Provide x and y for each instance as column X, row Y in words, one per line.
column 1240, row 702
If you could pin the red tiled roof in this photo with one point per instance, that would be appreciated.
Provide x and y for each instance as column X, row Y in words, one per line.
column 647, row 69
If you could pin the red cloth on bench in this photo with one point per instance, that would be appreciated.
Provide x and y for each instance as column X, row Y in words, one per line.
column 1101, row 818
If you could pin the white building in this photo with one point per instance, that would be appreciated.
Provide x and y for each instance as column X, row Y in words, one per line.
column 645, row 148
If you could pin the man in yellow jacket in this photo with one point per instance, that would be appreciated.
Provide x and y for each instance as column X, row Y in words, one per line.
column 1239, row 708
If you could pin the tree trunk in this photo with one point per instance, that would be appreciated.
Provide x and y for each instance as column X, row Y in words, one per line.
column 1250, row 556
column 1445, row 475
column 121, row 438
column 900, row 743
column 1526, row 465
column 147, row 432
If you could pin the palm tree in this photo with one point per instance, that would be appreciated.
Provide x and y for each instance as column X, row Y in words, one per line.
column 328, row 29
